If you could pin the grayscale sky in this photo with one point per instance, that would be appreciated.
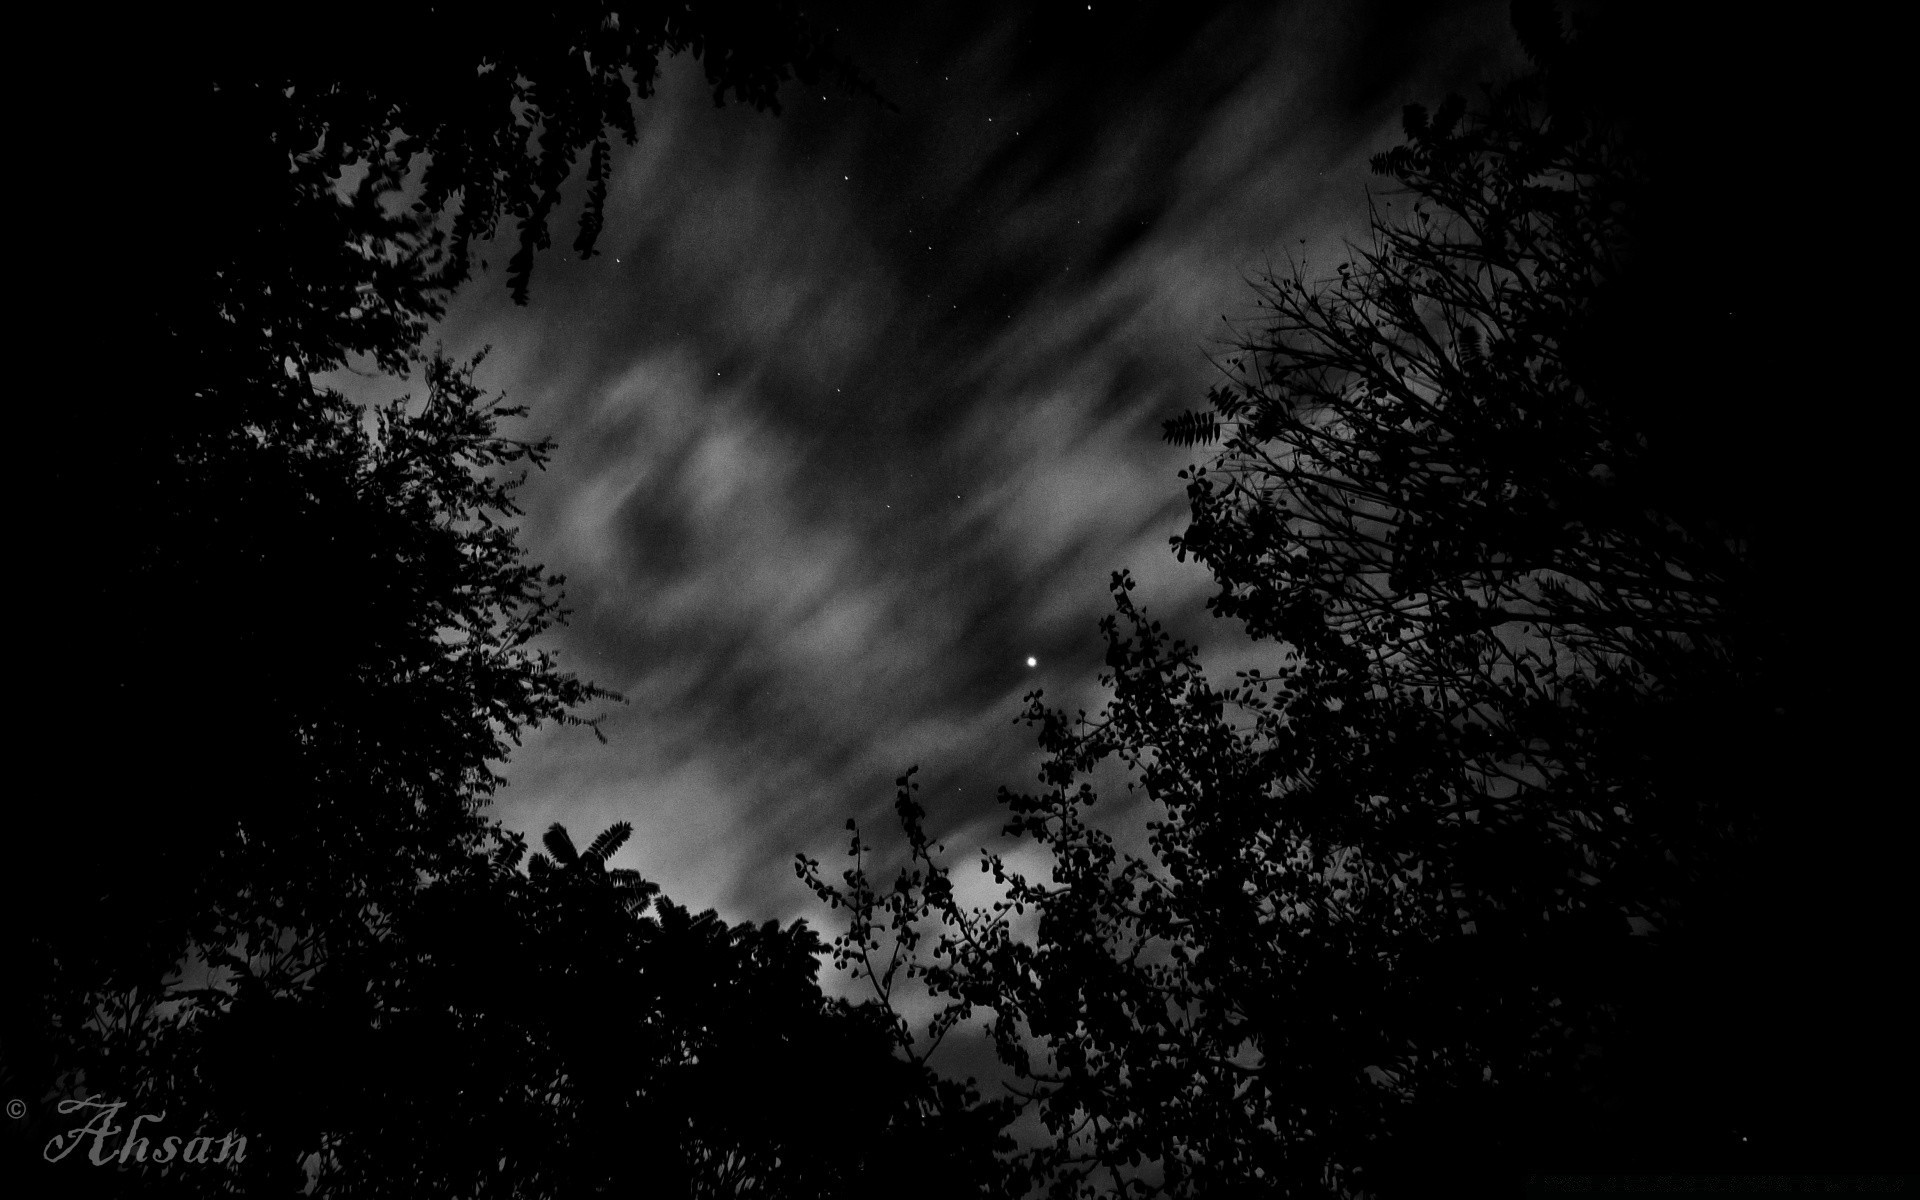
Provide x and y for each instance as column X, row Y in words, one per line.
column 859, row 409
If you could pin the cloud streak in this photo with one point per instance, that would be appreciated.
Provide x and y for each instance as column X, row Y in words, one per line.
column 859, row 409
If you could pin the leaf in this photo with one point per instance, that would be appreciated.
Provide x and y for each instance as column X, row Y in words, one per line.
column 1190, row 429
column 609, row 841
column 559, row 845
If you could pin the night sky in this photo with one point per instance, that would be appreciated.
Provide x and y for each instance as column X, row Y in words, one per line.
column 858, row 409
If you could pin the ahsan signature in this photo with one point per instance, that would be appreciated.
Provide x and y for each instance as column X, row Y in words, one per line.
column 136, row 1147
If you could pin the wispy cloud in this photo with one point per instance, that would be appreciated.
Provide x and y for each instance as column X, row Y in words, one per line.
column 859, row 409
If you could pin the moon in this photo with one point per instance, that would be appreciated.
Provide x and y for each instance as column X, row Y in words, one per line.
column 1032, row 661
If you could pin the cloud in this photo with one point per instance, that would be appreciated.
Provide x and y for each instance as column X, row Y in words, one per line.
column 859, row 409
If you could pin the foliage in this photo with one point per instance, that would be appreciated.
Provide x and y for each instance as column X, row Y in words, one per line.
column 1421, row 902
column 243, row 585
column 296, row 637
column 536, row 1034
column 493, row 114
column 373, row 992
column 370, row 598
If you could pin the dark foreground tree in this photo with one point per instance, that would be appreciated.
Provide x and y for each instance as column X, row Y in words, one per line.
column 287, row 194
column 1444, row 899
column 560, row 1032
column 354, row 590
column 290, row 640
column 372, row 993
column 274, row 644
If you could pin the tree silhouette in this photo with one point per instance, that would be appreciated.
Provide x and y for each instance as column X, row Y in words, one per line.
column 561, row 1031
column 299, row 635
column 591, row 867
column 211, row 559
column 1426, row 907
column 255, row 588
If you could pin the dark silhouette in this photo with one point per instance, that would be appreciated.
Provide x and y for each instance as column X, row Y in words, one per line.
column 291, row 640
column 228, row 539
column 560, row 1032
column 1486, row 880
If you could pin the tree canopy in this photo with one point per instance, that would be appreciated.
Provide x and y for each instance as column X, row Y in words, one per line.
column 1434, row 903
column 293, row 638
column 251, row 581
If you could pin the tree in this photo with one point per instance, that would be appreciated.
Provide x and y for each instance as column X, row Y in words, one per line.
column 362, row 751
column 558, row 1032
column 388, row 1002
column 253, row 592
column 590, row 869
column 1428, row 900
column 542, row 1034
column 307, row 633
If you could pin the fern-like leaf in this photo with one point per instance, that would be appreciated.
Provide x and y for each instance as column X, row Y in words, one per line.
column 560, row 845
column 1227, row 402
column 610, row 840
column 1191, row 429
